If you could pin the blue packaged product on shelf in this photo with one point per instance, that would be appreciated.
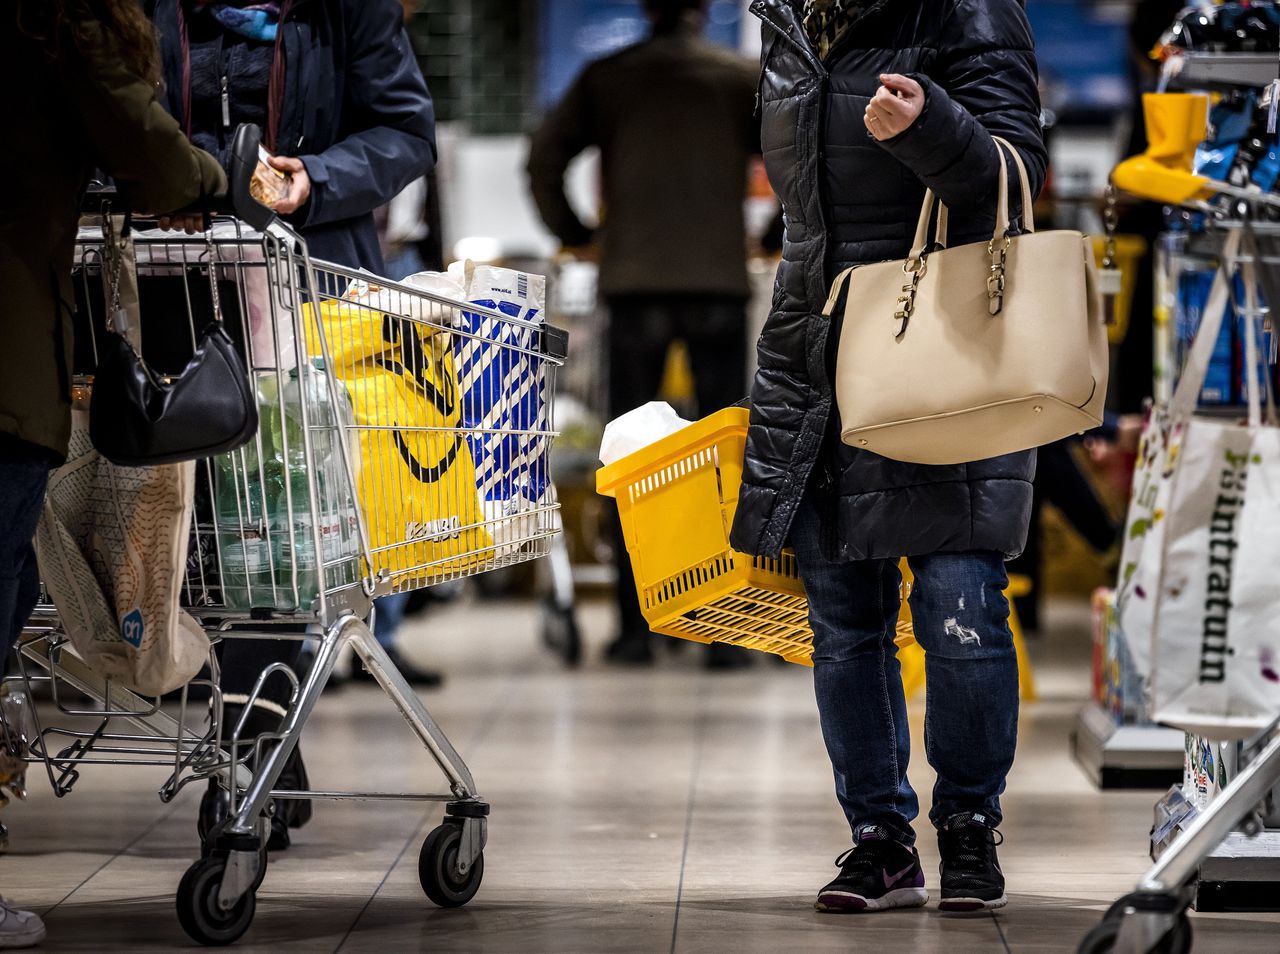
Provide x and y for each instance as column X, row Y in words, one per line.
column 1193, row 295
column 1267, row 171
column 1263, row 368
column 1215, row 162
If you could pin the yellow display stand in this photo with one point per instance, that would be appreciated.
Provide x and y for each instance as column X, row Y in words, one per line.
column 676, row 500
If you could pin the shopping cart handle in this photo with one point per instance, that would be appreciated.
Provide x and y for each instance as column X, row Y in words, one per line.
column 555, row 342
column 242, row 161
column 239, row 200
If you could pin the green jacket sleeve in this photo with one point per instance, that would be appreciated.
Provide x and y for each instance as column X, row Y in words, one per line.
column 566, row 132
column 130, row 135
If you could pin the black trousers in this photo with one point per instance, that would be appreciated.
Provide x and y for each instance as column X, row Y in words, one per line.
column 642, row 328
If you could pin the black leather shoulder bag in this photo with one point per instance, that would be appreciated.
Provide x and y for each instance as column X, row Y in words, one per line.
column 140, row 419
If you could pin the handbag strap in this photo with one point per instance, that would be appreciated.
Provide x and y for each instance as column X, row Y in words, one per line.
column 1002, row 195
column 837, row 287
column 920, row 245
column 119, row 277
column 998, row 247
column 1187, row 394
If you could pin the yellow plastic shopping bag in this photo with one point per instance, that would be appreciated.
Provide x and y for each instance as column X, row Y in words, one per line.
column 416, row 484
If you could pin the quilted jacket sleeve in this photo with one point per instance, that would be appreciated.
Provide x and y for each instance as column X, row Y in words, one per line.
column 390, row 136
column 984, row 83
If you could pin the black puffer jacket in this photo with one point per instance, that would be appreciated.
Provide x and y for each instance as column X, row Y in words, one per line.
column 851, row 200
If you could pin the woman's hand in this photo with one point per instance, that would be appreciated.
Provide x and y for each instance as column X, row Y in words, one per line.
column 299, row 183
column 182, row 222
column 897, row 104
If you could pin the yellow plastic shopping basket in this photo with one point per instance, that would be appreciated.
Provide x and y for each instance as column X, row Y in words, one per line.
column 676, row 499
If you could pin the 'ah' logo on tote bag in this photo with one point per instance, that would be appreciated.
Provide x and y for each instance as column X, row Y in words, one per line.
column 131, row 629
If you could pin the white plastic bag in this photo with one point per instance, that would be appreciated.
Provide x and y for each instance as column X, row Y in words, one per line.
column 637, row 429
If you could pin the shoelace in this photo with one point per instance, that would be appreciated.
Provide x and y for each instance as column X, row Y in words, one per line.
column 862, row 856
column 972, row 843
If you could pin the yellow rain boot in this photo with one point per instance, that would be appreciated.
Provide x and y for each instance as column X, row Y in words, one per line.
column 1176, row 125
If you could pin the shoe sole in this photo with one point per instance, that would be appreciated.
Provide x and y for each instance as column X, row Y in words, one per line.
column 971, row 905
column 841, row 902
column 31, row 939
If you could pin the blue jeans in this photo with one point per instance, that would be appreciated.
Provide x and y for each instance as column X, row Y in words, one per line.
column 389, row 617
column 24, row 475
column 961, row 620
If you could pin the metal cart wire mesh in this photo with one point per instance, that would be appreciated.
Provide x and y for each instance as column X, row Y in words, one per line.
column 403, row 441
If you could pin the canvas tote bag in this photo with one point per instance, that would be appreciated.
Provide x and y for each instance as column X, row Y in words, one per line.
column 967, row 353
column 112, row 549
column 1198, row 600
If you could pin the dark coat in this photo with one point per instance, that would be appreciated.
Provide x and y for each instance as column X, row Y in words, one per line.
column 673, row 117
column 356, row 112
column 94, row 113
column 850, row 200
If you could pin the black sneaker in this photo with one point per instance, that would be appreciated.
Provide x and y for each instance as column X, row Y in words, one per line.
column 971, row 876
column 876, row 874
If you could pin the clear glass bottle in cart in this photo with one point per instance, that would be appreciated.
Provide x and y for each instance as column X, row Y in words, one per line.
column 245, row 481
column 330, row 417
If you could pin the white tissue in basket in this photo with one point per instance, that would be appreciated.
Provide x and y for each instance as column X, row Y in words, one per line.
column 637, row 429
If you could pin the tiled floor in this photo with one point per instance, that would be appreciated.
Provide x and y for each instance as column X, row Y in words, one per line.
column 661, row 811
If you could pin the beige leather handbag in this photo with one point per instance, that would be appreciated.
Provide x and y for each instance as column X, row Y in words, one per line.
column 962, row 354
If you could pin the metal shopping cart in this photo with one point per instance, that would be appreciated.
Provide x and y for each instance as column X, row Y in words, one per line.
column 404, row 442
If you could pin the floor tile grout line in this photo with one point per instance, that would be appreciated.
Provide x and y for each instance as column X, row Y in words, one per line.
column 413, row 836
column 695, row 768
column 164, row 816
column 1000, row 930
column 504, row 703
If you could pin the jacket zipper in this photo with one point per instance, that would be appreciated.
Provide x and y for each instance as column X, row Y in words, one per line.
column 226, row 103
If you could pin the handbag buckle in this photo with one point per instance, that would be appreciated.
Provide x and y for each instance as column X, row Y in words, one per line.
column 916, row 268
column 995, row 281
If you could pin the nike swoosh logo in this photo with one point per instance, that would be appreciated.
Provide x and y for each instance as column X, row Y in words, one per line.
column 891, row 879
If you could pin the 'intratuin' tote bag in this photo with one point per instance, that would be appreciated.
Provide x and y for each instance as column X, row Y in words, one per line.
column 1199, row 598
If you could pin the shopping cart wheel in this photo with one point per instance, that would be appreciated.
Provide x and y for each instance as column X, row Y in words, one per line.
column 1102, row 939
column 207, row 849
column 199, row 912
column 436, row 868
column 560, row 632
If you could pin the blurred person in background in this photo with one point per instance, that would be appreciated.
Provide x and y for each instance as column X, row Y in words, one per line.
column 82, row 78
column 673, row 117
column 865, row 104
column 337, row 91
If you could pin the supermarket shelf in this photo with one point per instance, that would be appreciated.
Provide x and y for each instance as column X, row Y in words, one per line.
column 1219, row 70
column 1126, row 756
column 1242, row 874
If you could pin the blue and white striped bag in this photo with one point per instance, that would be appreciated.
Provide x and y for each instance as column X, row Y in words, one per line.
column 505, row 409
